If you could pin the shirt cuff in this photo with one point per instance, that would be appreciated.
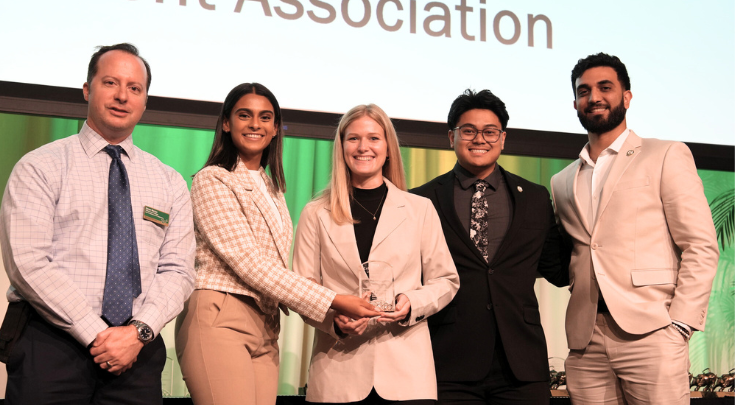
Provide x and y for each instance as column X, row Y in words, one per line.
column 684, row 329
column 150, row 317
column 85, row 331
column 683, row 325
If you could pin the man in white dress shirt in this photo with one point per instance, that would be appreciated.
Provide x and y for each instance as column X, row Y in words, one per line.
column 645, row 251
column 98, row 243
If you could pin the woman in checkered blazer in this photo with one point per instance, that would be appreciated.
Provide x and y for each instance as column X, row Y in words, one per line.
column 227, row 336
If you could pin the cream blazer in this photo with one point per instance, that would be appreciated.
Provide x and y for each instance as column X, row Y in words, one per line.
column 653, row 249
column 394, row 358
column 241, row 248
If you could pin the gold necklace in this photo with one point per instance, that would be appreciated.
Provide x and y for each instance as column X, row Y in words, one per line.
column 376, row 211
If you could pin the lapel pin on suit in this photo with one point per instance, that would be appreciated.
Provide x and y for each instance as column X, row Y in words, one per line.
column 520, row 189
column 630, row 152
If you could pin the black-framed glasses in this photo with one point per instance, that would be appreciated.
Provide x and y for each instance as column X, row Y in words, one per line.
column 468, row 133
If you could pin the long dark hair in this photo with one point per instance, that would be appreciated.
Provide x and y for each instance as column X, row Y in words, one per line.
column 224, row 152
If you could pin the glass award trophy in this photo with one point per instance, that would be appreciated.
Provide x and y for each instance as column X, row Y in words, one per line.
column 377, row 285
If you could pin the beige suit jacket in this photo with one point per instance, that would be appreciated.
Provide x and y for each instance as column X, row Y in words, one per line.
column 653, row 249
column 241, row 248
column 394, row 358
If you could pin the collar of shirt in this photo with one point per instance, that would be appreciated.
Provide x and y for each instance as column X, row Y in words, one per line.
column 467, row 179
column 93, row 143
column 584, row 155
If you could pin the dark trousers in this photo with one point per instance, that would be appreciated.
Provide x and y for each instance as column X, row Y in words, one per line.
column 48, row 366
column 500, row 387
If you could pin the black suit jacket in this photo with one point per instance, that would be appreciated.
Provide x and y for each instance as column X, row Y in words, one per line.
column 499, row 296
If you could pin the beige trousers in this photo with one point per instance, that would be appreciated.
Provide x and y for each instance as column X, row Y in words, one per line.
column 228, row 350
column 619, row 368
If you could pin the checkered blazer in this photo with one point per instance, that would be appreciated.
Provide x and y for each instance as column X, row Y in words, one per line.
column 241, row 248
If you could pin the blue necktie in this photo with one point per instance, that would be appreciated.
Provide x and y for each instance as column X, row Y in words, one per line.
column 122, row 283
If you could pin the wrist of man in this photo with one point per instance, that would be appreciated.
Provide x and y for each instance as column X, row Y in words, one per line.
column 683, row 329
column 145, row 333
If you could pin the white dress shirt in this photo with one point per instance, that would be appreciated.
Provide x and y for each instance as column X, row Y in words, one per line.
column 53, row 230
column 592, row 176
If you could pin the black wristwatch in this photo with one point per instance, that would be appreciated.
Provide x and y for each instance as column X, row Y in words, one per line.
column 145, row 333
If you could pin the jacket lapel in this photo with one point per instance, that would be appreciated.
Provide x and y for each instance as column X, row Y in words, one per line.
column 518, row 201
column 343, row 239
column 261, row 202
column 572, row 192
column 391, row 216
column 628, row 152
column 284, row 232
column 445, row 197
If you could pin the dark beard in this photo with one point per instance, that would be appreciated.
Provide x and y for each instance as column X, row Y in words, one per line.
column 598, row 125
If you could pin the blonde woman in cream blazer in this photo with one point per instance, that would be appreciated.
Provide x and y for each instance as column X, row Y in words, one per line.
column 227, row 336
column 388, row 358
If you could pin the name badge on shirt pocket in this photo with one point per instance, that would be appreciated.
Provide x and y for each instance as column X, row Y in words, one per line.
column 154, row 215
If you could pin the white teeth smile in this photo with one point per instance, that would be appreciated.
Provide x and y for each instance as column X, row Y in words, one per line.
column 253, row 136
column 480, row 151
column 364, row 158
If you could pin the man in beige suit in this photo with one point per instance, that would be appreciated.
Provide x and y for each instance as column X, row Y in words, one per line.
column 644, row 254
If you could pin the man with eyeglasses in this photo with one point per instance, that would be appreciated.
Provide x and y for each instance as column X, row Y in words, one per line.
column 489, row 346
column 645, row 250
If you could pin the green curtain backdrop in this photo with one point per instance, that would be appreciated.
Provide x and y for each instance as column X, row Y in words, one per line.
column 307, row 167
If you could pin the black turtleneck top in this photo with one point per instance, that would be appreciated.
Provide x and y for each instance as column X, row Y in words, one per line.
column 372, row 200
